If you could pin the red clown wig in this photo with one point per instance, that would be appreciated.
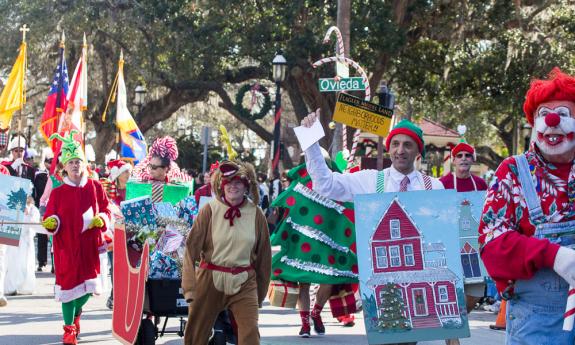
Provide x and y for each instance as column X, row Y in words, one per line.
column 558, row 87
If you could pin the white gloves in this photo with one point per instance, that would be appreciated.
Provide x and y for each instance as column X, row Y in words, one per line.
column 17, row 163
column 564, row 265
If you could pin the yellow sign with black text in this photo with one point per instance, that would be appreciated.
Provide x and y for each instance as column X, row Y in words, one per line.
column 367, row 116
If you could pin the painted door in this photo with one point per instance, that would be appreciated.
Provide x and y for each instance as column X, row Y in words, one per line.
column 419, row 298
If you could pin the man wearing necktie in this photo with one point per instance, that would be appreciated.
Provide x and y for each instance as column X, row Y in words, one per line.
column 404, row 144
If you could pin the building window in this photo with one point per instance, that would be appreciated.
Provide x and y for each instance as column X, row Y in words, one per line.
column 394, row 256
column 381, row 257
column 443, row 295
column 465, row 224
column 394, row 226
column 408, row 255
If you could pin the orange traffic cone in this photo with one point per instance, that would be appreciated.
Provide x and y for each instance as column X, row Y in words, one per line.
column 500, row 322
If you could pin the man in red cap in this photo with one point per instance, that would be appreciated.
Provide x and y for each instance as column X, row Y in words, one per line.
column 528, row 221
column 463, row 157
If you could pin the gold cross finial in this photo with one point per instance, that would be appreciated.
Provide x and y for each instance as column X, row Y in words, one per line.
column 24, row 29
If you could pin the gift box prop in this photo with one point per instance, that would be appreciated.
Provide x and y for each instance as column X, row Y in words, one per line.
column 162, row 266
column 344, row 300
column 140, row 221
column 166, row 192
column 283, row 294
column 188, row 209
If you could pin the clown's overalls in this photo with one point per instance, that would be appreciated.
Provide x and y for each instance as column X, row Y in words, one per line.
column 535, row 313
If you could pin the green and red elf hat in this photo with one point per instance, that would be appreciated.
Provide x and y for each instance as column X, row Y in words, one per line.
column 410, row 129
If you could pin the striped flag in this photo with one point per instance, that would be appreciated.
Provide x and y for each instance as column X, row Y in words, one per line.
column 56, row 101
column 133, row 144
column 77, row 96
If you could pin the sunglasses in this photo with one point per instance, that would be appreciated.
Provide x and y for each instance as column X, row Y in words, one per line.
column 154, row 167
column 462, row 155
column 48, row 160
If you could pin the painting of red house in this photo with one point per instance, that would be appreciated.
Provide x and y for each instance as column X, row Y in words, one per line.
column 412, row 284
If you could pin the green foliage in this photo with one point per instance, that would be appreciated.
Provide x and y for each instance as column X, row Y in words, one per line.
column 392, row 307
column 191, row 154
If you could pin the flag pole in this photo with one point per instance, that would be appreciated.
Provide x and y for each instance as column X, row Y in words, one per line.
column 24, row 30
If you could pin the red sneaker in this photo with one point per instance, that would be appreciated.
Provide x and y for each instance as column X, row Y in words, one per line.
column 77, row 323
column 305, row 331
column 69, row 337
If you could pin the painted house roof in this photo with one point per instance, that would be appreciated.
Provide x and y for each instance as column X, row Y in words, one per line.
column 434, row 247
column 402, row 209
column 398, row 277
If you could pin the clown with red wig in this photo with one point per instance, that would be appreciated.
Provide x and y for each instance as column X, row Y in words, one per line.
column 527, row 229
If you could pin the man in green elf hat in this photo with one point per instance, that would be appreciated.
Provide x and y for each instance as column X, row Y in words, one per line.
column 77, row 214
column 404, row 144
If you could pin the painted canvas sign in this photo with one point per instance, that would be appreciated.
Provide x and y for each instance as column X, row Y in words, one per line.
column 411, row 280
column 13, row 194
column 469, row 207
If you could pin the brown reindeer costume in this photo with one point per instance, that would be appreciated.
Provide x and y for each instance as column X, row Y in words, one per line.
column 233, row 247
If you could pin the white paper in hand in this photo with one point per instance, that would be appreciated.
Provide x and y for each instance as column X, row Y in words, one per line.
column 308, row 136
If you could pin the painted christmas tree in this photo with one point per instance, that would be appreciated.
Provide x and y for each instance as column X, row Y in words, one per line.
column 391, row 310
column 316, row 235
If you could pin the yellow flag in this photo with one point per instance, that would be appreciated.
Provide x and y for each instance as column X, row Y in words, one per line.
column 13, row 95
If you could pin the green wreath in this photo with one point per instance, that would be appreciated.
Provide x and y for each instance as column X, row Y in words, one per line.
column 264, row 108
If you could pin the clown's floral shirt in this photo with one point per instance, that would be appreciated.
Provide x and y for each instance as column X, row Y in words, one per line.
column 509, row 251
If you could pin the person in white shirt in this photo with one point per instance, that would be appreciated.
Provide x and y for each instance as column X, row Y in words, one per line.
column 404, row 144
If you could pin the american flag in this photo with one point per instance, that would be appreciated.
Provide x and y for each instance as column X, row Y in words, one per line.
column 56, row 102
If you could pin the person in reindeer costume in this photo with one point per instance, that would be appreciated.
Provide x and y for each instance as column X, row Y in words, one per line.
column 527, row 227
column 230, row 239
column 77, row 215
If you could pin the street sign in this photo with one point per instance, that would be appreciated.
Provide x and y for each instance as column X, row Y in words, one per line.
column 357, row 113
column 343, row 84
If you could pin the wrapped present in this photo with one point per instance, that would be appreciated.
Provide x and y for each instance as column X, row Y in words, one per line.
column 283, row 294
column 344, row 302
column 139, row 212
column 163, row 266
column 166, row 192
column 188, row 209
column 169, row 241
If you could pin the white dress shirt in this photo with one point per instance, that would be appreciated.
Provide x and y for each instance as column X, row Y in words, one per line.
column 343, row 187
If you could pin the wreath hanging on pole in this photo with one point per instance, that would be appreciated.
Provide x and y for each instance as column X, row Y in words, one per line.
column 258, row 101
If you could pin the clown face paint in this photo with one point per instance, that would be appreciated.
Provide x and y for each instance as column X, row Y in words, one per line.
column 554, row 130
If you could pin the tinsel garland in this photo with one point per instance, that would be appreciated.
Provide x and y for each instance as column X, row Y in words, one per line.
column 317, row 235
column 317, row 198
column 317, row 268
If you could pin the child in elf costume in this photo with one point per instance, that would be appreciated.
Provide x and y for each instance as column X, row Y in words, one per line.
column 77, row 215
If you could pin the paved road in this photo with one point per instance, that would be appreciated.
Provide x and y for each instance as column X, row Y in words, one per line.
column 37, row 320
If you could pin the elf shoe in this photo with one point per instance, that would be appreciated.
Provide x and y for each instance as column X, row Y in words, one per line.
column 318, row 326
column 77, row 323
column 69, row 337
column 305, row 331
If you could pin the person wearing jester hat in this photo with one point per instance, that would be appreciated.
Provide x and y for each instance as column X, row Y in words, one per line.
column 230, row 240
column 463, row 156
column 77, row 215
column 529, row 216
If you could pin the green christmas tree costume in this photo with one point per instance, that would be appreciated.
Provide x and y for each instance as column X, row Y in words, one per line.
column 316, row 235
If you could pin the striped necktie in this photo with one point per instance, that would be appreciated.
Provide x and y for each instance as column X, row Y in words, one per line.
column 403, row 184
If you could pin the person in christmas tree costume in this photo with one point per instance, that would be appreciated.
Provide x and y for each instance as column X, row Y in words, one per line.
column 526, row 229
column 77, row 214
column 230, row 239
column 317, row 242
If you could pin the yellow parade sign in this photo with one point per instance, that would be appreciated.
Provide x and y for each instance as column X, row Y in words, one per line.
column 357, row 113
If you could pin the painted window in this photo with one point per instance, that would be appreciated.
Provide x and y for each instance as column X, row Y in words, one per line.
column 408, row 255
column 394, row 226
column 465, row 224
column 443, row 295
column 470, row 263
column 394, row 256
column 419, row 298
column 381, row 257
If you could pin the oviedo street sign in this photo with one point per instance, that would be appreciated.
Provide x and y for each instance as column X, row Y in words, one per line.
column 343, row 84
column 357, row 113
